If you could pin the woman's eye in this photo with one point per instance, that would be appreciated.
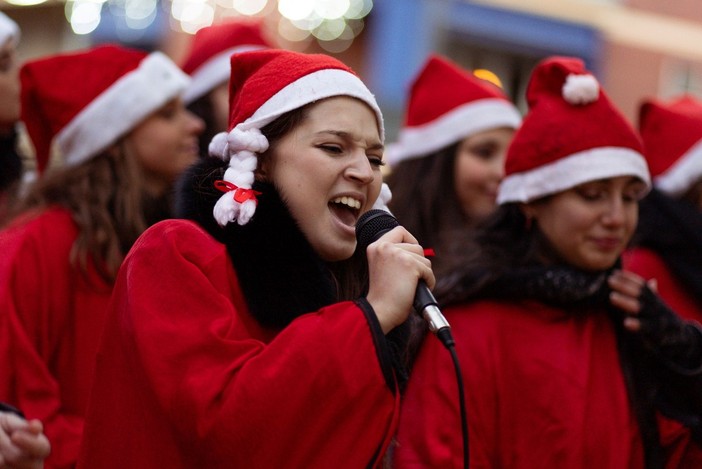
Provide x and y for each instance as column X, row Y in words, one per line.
column 633, row 196
column 591, row 194
column 484, row 152
column 376, row 161
column 168, row 112
column 335, row 149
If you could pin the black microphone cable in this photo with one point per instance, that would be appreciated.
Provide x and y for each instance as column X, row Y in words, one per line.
column 371, row 226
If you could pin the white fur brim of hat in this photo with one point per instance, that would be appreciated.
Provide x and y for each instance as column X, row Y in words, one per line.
column 244, row 142
column 575, row 169
column 119, row 108
column 318, row 85
column 683, row 174
column 461, row 122
column 8, row 30
column 212, row 73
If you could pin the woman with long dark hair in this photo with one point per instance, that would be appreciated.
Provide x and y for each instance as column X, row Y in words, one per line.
column 668, row 242
column 122, row 136
column 448, row 160
column 248, row 334
column 568, row 360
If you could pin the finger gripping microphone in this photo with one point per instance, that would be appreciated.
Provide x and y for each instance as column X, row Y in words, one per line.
column 372, row 225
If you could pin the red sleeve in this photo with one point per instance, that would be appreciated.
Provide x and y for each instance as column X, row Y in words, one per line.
column 240, row 396
column 31, row 272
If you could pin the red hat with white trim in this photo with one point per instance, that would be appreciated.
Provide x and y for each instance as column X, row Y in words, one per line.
column 264, row 85
column 8, row 30
column 208, row 60
column 84, row 101
column 571, row 135
column 446, row 105
column 672, row 136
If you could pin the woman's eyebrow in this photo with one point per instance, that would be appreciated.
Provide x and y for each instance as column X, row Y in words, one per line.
column 349, row 136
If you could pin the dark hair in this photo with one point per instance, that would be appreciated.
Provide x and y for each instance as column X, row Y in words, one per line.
column 202, row 107
column 693, row 194
column 502, row 241
column 424, row 199
column 107, row 198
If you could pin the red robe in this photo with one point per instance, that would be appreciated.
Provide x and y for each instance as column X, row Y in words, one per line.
column 544, row 389
column 187, row 378
column 648, row 264
column 54, row 316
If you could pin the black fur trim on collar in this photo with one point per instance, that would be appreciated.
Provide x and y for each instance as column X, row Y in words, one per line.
column 281, row 275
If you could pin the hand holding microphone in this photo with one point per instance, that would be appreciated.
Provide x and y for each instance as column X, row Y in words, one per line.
column 403, row 284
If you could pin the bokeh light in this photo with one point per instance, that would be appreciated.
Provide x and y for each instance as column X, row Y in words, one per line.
column 83, row 16
column 249, row 7
column 487, row 75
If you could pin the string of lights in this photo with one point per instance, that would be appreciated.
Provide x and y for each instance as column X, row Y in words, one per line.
column 334, row 24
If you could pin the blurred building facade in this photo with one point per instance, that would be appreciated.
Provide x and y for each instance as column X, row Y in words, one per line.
column 637, row 48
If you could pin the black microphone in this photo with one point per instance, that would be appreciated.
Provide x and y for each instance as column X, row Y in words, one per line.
column 372, row 225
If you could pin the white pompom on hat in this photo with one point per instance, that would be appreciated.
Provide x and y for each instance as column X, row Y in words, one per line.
column 672, row 136
column 446, row 105
column 571, row 135
column 264, row 85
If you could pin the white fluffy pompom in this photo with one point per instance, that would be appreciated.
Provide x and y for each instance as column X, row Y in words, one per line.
column 226, row 209
column 218, row 146
column 246, row 211
column 384, row 198
column 581, row 89
column 252, row 140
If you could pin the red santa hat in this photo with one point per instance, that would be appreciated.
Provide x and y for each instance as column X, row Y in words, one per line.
column 572, row 134
column 264, row 85
column 84, row 101
column 8, row 30
column 446, row 105
column 672, row 136
column 208, row 60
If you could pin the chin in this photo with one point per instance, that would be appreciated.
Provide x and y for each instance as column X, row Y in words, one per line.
column 596, row 265
column 336, row 253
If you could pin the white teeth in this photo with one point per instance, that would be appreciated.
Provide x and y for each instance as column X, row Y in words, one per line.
column 349, row 201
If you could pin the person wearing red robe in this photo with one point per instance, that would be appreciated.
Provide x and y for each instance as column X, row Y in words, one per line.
column 668, row 243
column 567, row 361
column 244, row 334
column 121, row 128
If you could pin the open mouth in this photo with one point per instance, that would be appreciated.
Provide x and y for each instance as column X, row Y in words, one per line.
column 346, row 209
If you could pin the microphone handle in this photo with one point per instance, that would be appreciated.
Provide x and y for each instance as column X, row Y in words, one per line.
column 425, row 304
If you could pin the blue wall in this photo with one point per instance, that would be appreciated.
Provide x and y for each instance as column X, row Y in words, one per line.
column 404, row 32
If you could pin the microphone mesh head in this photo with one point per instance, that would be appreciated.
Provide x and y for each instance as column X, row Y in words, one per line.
column 372, row 225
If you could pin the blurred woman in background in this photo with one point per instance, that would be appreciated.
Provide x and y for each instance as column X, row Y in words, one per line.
column 448, row 160
column 124, row 136
column 568, row 361
column 668, row 242
column 207, row 63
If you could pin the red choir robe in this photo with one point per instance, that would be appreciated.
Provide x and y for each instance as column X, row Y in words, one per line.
column 54, row 316
column 186, row 377
column 646, row 263
column 544, row 389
